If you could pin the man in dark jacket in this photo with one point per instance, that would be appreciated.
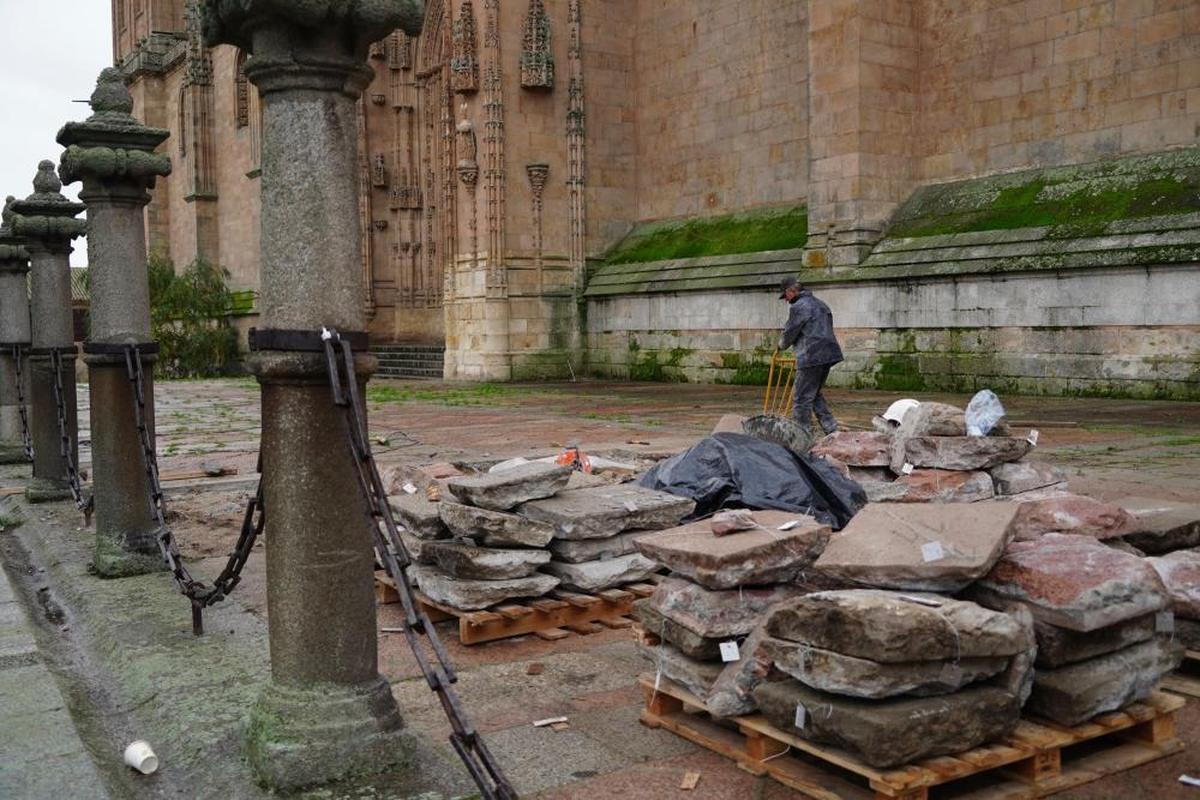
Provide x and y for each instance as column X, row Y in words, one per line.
column 809, row 330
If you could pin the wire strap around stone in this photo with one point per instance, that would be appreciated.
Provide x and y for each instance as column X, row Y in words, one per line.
column 390, row 549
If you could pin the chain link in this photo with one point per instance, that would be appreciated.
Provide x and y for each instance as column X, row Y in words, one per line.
column 65, row 447
column 390, row 549
column 254, row 519
column 26, row 439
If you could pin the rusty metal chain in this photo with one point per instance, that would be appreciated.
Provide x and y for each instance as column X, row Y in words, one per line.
column 65, row 449
column 439, row 674
column 253, row 520
column 26, row 439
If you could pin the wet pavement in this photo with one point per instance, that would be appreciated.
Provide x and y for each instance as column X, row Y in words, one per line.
column 1109, row 448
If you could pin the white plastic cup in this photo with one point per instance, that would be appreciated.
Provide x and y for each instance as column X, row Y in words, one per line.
column 139, row 756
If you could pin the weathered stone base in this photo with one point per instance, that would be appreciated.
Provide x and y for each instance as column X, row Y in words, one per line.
column 112, row 560
column 13, row 454
column 303, row 737
column 46, row 491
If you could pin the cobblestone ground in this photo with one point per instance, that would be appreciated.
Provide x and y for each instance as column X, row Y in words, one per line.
column 1110, row 448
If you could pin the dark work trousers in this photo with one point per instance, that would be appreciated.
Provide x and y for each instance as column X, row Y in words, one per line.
column 809, row 381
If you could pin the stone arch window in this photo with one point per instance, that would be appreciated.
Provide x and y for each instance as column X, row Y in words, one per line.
column 242, row 93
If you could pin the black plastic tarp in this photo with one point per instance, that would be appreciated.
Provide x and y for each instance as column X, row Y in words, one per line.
column 732, row 470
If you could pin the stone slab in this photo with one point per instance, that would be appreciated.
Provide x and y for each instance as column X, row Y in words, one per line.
column 1074, row 514
column 1058, row 647
column 485, row 563
column 501, row 491
column 594, row 576
column 1161, row 526
column 1016, row 477
column 934, row 547
column 733, row 692
column 1180, row 573
column 960, row 452
column 861, row 677
column 421, row 517
column 723, row 614
column 697, row 677
column 754, row 557
column 1187, row 632
column 897, row 627
column 856, row 448
column 944, row 486
column 1075, row 582
column 889, row 733
column 1077, row 693
column 687, row 641
column 783, row 431
column 576, row 552
column 604, row 511
column 472, row 595
column 494, row 528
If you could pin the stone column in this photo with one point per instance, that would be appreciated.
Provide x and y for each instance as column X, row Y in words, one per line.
column 327, row 711
column 14, row 329
column 113, row 155
column 46, row 222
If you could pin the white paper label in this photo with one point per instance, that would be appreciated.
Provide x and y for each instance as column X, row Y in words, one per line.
column 1164, row 622
column 729, row 652
column 932, row 551
column 907, row 469
column 789, row 525
column 951, row 674
column 1032, row 438
column 801, row 716
column 925, row 601
column 630, row 506
column 409, row 488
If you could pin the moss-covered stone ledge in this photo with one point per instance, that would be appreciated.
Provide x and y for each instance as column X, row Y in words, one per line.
column 742, row 271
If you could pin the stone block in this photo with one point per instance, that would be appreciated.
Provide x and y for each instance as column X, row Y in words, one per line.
column 1160, row 526
column 1058, row 647
column 1180, row 573
column 942, row 486
column 889, row 733
column 697, row 677
column 594, row 576
column 861, row 677
column 1076, row 693
column 604, row 511
column 892, row 627
column 472, row 595
column 576, row 552
column 934, row 547
column 856, row 448
column 1075, row 582
column 494, row 528
column 485, row 563
column 724, row 614
column 733, row 692
column 501, row 491
column 1071, row 514
column 755, row 557
column 783, row 431
column 419, row 515
column 687, row 641
column 1187, row 631
column 1016, row 477
column 958, row 452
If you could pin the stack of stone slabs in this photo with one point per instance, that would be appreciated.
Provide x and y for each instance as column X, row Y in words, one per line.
column 708, row 614
column 893, row 677
column 594, row 529
column 1104, row 631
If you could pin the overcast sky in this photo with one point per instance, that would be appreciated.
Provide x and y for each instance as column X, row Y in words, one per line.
column 50, row 54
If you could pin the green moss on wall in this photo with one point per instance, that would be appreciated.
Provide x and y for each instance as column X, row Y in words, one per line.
column 657, row 365
column 748, row 232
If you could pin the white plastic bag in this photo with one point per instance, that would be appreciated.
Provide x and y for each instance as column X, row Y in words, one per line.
column 983, row 412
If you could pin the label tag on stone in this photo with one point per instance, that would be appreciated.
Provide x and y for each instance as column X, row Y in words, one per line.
column 925, row 601
column 630, row 506
column 801, row 716
column 1164, row 622
column 729, row 652
column 409, row 488
column 907, row 469
column 932, row 551
column 951, row 674
column 789, row 525
column 1032, row 438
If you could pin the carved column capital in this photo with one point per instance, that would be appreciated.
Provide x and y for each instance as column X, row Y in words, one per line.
column 317, row 44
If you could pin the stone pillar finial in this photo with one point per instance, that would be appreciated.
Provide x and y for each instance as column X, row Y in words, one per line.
column 112, row 154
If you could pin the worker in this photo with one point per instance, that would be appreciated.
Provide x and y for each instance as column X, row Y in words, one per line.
column 809, row 330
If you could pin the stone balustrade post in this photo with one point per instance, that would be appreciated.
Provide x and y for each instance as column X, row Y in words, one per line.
column 112, row 154
column 327, row 711
column 46, row 222
column 14, row 330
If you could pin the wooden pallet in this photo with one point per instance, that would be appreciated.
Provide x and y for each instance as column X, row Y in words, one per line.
column 553, row 617
column 1037, row 760
column 1186, row 679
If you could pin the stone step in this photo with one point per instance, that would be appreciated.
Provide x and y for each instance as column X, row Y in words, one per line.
column 410, row 361
column 407, row 348
column 430, row 374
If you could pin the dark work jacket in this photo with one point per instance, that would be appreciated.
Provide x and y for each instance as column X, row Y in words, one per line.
column 809, row 330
